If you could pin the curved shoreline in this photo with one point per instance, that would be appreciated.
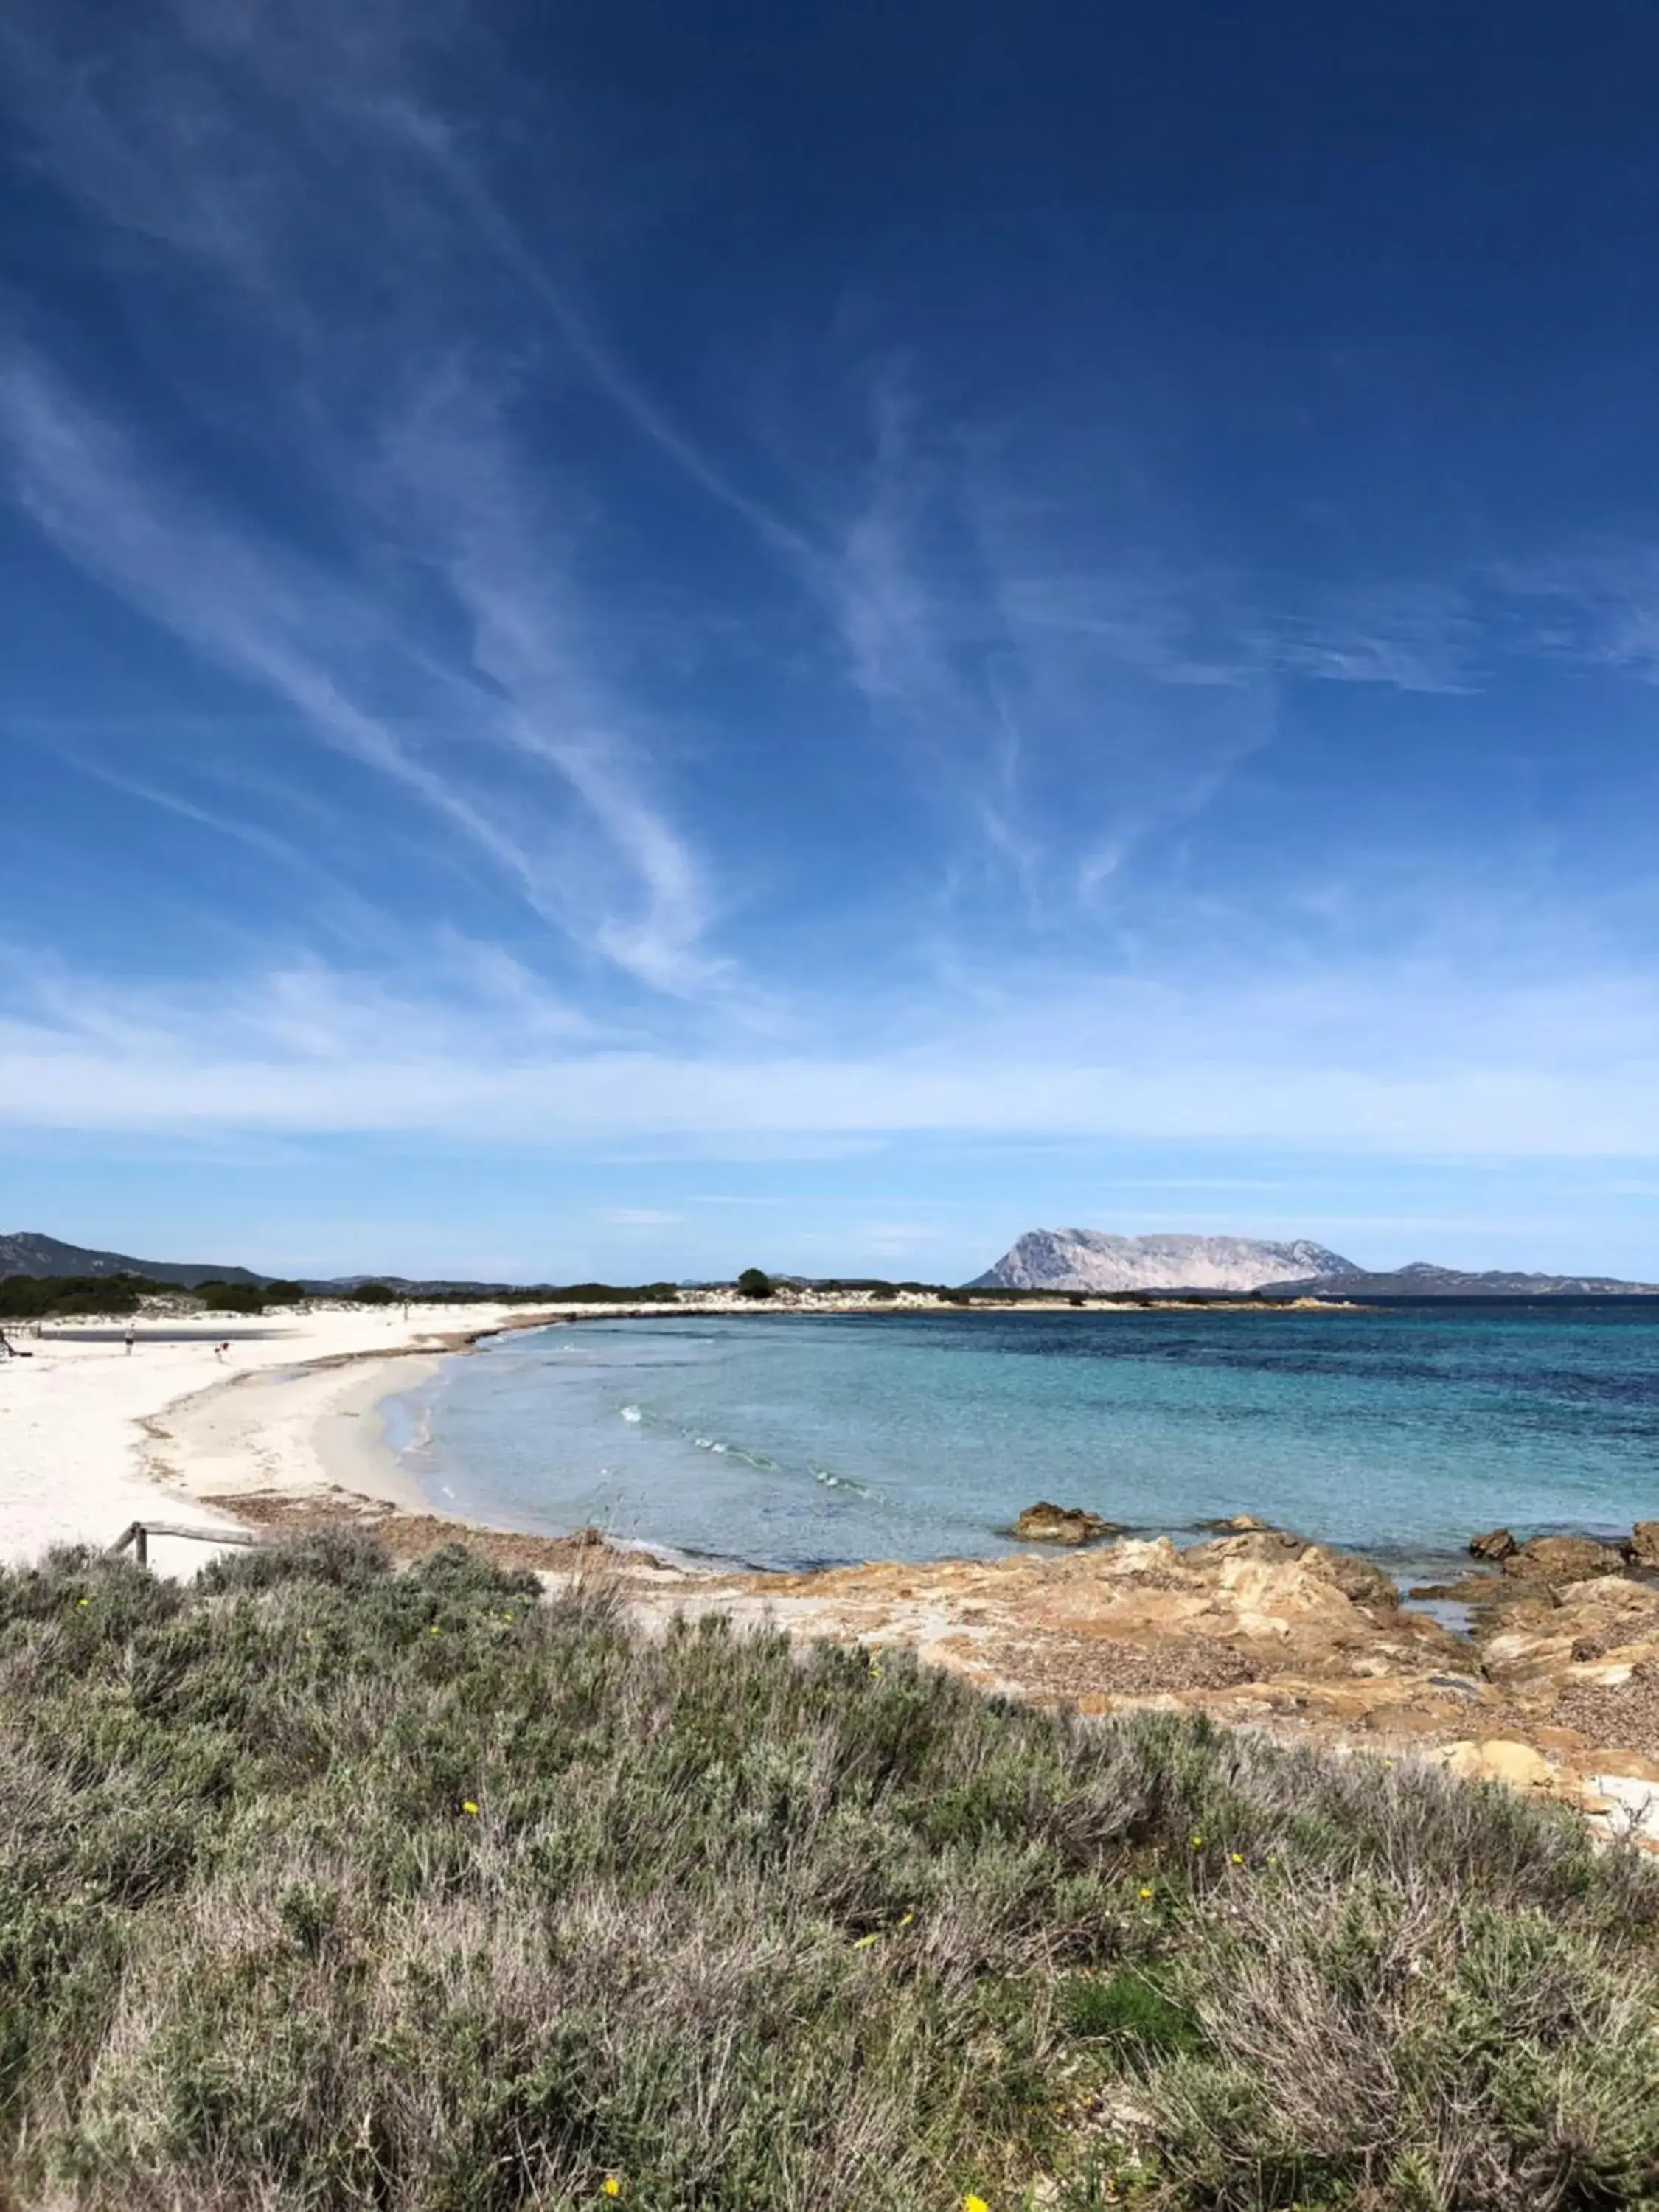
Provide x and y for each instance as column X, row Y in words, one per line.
column 313, row 1429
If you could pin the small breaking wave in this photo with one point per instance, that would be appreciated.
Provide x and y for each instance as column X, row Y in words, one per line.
column 758, row 1461
column 763, row 1463
column 842, row 1482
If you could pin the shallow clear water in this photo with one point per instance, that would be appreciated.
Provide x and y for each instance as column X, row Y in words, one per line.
column 795, row 1441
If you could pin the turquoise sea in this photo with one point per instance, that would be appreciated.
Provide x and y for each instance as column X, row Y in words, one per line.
column 793, row 1440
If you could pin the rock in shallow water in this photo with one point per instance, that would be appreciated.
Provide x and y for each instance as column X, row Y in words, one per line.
column 1496, row 1544
column 1043, row 1523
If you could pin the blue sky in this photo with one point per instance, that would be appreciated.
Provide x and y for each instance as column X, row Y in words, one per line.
column 641, row 638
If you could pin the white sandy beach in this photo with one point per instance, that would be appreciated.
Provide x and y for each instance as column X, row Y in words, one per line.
column 92, row 1437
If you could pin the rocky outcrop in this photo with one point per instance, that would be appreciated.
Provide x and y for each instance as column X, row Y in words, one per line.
column 1358, row 1579
column 1092, row 1260
column 1562, row 1559
column 1497, row 1545
column 1043, row 1523
column 1643, row 1549
column 1258, row 1625
column 1543, row 1631
column 1557, row 1694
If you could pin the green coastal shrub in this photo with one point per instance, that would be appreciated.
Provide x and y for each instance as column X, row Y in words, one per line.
column 231, row 1298
column 34, row 1297
column 324, row 1884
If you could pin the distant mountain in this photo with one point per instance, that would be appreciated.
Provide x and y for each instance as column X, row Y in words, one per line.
column 1091, row 1260
column 1423, row 1279
column 28, row 1253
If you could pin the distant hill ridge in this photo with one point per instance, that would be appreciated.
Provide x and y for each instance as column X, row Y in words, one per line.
column 28, row 1253
column 1092, row 1260
column 1421, row 1278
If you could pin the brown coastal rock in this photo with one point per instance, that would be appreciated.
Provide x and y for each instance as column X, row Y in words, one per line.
column 1253, row 1626
column 1043, row 1523
column 1496, row 1544
column 1540, row 1637
column 1562, row 1559
column 1643, row 1549
column 1358, row 1579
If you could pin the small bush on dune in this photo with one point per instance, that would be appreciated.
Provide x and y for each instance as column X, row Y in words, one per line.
column 322, row 1885
column 347, row 1559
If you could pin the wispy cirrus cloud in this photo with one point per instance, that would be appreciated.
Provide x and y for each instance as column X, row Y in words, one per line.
column 1435, row 1063
column 1596, row 607
column 186, row 137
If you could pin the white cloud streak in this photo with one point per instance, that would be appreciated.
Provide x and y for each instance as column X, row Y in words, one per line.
column 1378, row 1070
column 187, row 145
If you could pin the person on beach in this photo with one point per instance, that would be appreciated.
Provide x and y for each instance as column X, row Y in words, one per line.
column 130, row 1339
column 220, row 1349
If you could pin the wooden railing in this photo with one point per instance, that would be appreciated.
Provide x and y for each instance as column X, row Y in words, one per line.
column 137, row 1534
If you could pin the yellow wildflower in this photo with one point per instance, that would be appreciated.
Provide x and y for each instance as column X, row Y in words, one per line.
column 974, row 2204
column 1145, row 1894
column 612, row 2185
column 467, row 1805
column 1236, row 1857
column 83, row 1601
column 1198, row 1843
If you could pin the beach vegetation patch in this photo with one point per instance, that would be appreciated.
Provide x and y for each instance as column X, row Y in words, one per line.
column 232, row 1298
column 41, row 1298
column 325, row 1884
